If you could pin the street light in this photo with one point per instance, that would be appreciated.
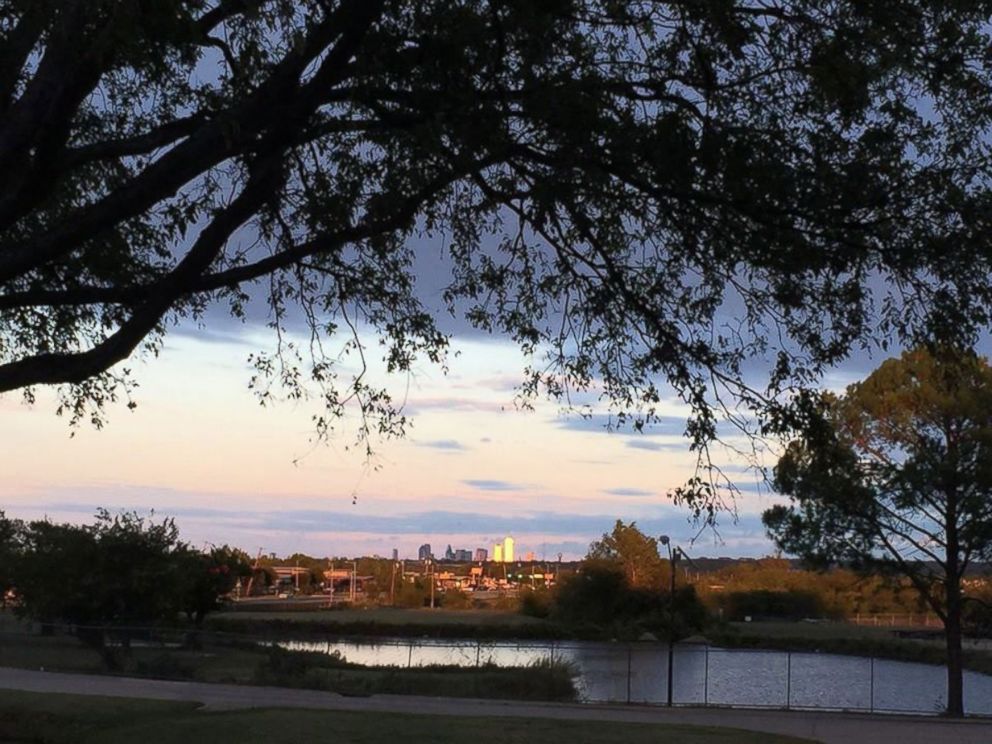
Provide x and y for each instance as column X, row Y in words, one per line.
column 673, row 557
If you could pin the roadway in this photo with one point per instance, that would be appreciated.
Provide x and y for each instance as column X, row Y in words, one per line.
column 829, row 728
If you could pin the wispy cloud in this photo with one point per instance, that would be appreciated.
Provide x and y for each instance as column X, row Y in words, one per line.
column 413, row 405
column 628, row 492
column 450, row 445
column 485, row 484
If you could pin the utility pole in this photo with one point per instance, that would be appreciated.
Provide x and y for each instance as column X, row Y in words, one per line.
column 254, row 568
column 672, row 559
column 354, row 580
column 392, row 587
column 430, row 579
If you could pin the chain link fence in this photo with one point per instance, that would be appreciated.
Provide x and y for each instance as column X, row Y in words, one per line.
column 634, row 673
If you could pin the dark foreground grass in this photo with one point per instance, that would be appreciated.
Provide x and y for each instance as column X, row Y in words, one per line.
column 72, row 719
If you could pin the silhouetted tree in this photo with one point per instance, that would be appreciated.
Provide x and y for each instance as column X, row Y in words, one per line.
column 897, row 474
column 122, row 570
column 605, row 181
column 205, row 577
column 11, row 544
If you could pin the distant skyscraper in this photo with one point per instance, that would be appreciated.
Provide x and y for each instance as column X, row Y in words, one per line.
column 481, row 554
column 449, row 554
column 396, row 554
column 508, row 549
column 498, row 552
column 424, row 553
column 463, row 555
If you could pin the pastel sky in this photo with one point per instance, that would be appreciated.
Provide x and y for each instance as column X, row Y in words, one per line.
column 472, row 468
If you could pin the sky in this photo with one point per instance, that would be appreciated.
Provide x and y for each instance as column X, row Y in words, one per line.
column 472, row 468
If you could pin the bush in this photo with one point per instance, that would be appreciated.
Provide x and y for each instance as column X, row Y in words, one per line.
column 762, row 603
column 535, row 602
column 456, row 599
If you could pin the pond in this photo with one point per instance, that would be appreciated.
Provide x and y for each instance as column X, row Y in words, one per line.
column 703, row 675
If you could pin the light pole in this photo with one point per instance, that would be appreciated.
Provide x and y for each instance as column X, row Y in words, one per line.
column 673, row 557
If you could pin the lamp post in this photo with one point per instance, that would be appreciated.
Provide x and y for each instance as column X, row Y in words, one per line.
column 673, row 557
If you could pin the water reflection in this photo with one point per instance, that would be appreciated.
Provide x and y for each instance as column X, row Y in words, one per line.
column 638, row 673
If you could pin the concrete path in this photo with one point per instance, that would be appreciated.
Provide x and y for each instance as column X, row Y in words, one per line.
column 829, row 728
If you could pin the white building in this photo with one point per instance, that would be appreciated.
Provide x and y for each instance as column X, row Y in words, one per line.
column 508, row 549
column 498, row 553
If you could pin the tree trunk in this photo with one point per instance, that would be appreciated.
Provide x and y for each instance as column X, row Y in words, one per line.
column 955, row 673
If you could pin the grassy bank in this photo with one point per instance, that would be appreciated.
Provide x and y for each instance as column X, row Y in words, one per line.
column 840, row 638
column 387, row 622
column 68, row 719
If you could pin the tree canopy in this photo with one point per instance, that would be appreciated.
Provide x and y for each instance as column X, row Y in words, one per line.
column 648, row 193
column 633, row 553
column 897, row 474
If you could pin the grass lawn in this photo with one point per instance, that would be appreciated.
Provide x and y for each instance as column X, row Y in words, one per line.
column 385, row 621
column 70, row 719
column 784, row 629
column 843, row 638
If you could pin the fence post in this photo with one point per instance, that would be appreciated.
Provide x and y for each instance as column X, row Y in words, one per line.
column 629, row 653
column 706, row 675
column 788, row 680
column 478, row 652
column 871, row 690
column 409, row 656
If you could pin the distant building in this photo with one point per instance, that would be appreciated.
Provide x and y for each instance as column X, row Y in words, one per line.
column 508, row 549
column 481, row 554
column 530, row 556
column 396, row 554
column 449, row 554
column 498, row 552
column 463, row 555
column 424, row 553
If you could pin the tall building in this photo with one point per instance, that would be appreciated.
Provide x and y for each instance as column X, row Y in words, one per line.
column 481, row 554
column 396, row 555
column 449, row 554
column 463, row 555
column 498, row 552
column 508, row 549
column 424, row 553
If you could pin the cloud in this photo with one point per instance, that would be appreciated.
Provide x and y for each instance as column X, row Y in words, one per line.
column 628, row 492
column 650, row 446
column 353, row 532
column 449, row 445
column 415, row 405
column 602, row 423
column 484, row 484
column 236, row 336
